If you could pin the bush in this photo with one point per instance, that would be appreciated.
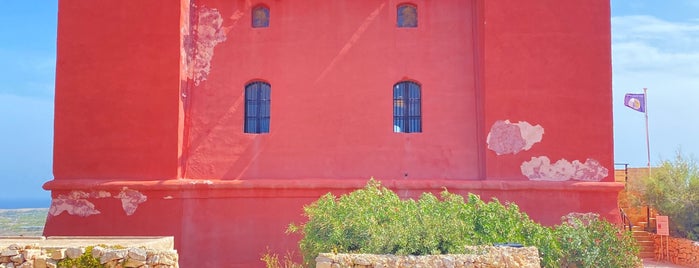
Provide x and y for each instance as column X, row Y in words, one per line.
column 375, row 220
column 673, row 190
column 588, row 241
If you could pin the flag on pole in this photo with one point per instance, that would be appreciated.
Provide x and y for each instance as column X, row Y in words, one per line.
column 636, row 102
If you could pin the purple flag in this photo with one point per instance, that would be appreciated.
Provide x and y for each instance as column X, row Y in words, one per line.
column 636, row 102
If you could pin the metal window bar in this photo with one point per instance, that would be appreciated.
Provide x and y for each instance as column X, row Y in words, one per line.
column 257, row 107
column 407, row 112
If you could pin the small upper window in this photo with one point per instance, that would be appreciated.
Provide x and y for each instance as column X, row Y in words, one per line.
column 260, row 17
column 406, row 16
column 257, row 105
column 407, row 114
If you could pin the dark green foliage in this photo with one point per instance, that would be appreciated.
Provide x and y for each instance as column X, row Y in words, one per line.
column 375, row 220
column 673, row 190
column 590, row 242
column 84, row 261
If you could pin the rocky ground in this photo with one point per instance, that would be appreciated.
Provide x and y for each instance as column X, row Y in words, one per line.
column 22, row 222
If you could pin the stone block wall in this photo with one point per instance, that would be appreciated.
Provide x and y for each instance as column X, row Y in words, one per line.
column 41, row 253
column 482, row 256
column 679, row 251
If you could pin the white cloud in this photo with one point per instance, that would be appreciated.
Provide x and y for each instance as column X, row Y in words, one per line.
column 664, row 57
column 645, row 43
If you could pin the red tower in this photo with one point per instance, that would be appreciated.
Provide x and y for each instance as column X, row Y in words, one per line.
column 215, row 121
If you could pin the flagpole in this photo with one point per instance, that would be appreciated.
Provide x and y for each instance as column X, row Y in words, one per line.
column 645, row 105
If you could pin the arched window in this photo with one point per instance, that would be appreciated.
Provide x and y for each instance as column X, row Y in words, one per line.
column 257, row 105
column 260, row 17
column 406, row 16
column 407, row 113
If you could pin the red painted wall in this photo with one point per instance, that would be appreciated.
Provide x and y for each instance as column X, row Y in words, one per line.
column 149, row 113
column 549, row 62
column 332, row 67
column 117, row 91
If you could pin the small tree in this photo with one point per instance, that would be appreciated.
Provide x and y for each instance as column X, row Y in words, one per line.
column 673, row 190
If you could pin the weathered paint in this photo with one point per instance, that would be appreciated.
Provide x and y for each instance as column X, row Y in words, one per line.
column 149, row 96
column 207, row 33
column 130, row 199
column 505, row 137
column 541, row 169
column 76, row 203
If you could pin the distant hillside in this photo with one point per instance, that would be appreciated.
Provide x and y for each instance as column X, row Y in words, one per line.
column 22, row 222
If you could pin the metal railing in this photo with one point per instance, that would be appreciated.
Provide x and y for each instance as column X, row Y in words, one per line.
column 625, row 220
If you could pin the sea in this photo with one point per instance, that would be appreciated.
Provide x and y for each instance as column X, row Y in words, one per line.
column 17, row 203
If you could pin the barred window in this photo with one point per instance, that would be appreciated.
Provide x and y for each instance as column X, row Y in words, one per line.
column 406, row 16
column 407, row 113
column 257, row 105
column 260, row 17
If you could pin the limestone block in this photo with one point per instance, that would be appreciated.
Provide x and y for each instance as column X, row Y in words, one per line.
column 31, row 254
column 17, row 259
column 132, row 263
column 97, row 252
column 9, row 252
column 137, row 254
column 58, row 254
column 74, row 253
column 51, row 263
column 113, row 264
column 40, row 262
column 168, row 258
column 323, row 264
column 111, row 255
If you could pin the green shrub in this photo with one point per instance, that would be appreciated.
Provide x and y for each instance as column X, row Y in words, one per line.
column 84, row 261
column 588, row 241
column 673, row 190
column 375, row 220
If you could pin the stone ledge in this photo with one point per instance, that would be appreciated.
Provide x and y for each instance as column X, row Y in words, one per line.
column 483, row 256
column 278, row 186
column 43, row 252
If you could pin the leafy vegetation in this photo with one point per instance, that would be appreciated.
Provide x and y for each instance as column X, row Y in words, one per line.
column 673, row 190
column 26, row 222
column 84, row 261
column 587, row 241
column 375, row 220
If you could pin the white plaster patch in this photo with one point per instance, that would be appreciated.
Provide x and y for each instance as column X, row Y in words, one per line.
column 100, row 194
column 74, row 203
column 130, row 199
column 506, row 137
column 541, row 169
column 206, row 34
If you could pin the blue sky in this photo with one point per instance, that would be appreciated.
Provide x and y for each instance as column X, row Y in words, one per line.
column 655, row 44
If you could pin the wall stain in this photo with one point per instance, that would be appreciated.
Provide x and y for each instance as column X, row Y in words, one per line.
column 199, row 43
column 511, row 138
column 541, row 169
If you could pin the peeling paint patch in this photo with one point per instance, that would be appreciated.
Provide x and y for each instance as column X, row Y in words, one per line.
column 130, row 199
column 100, row 194
column 201, row 41
column 541, row 169
column 506, row 137
column 73, row 203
